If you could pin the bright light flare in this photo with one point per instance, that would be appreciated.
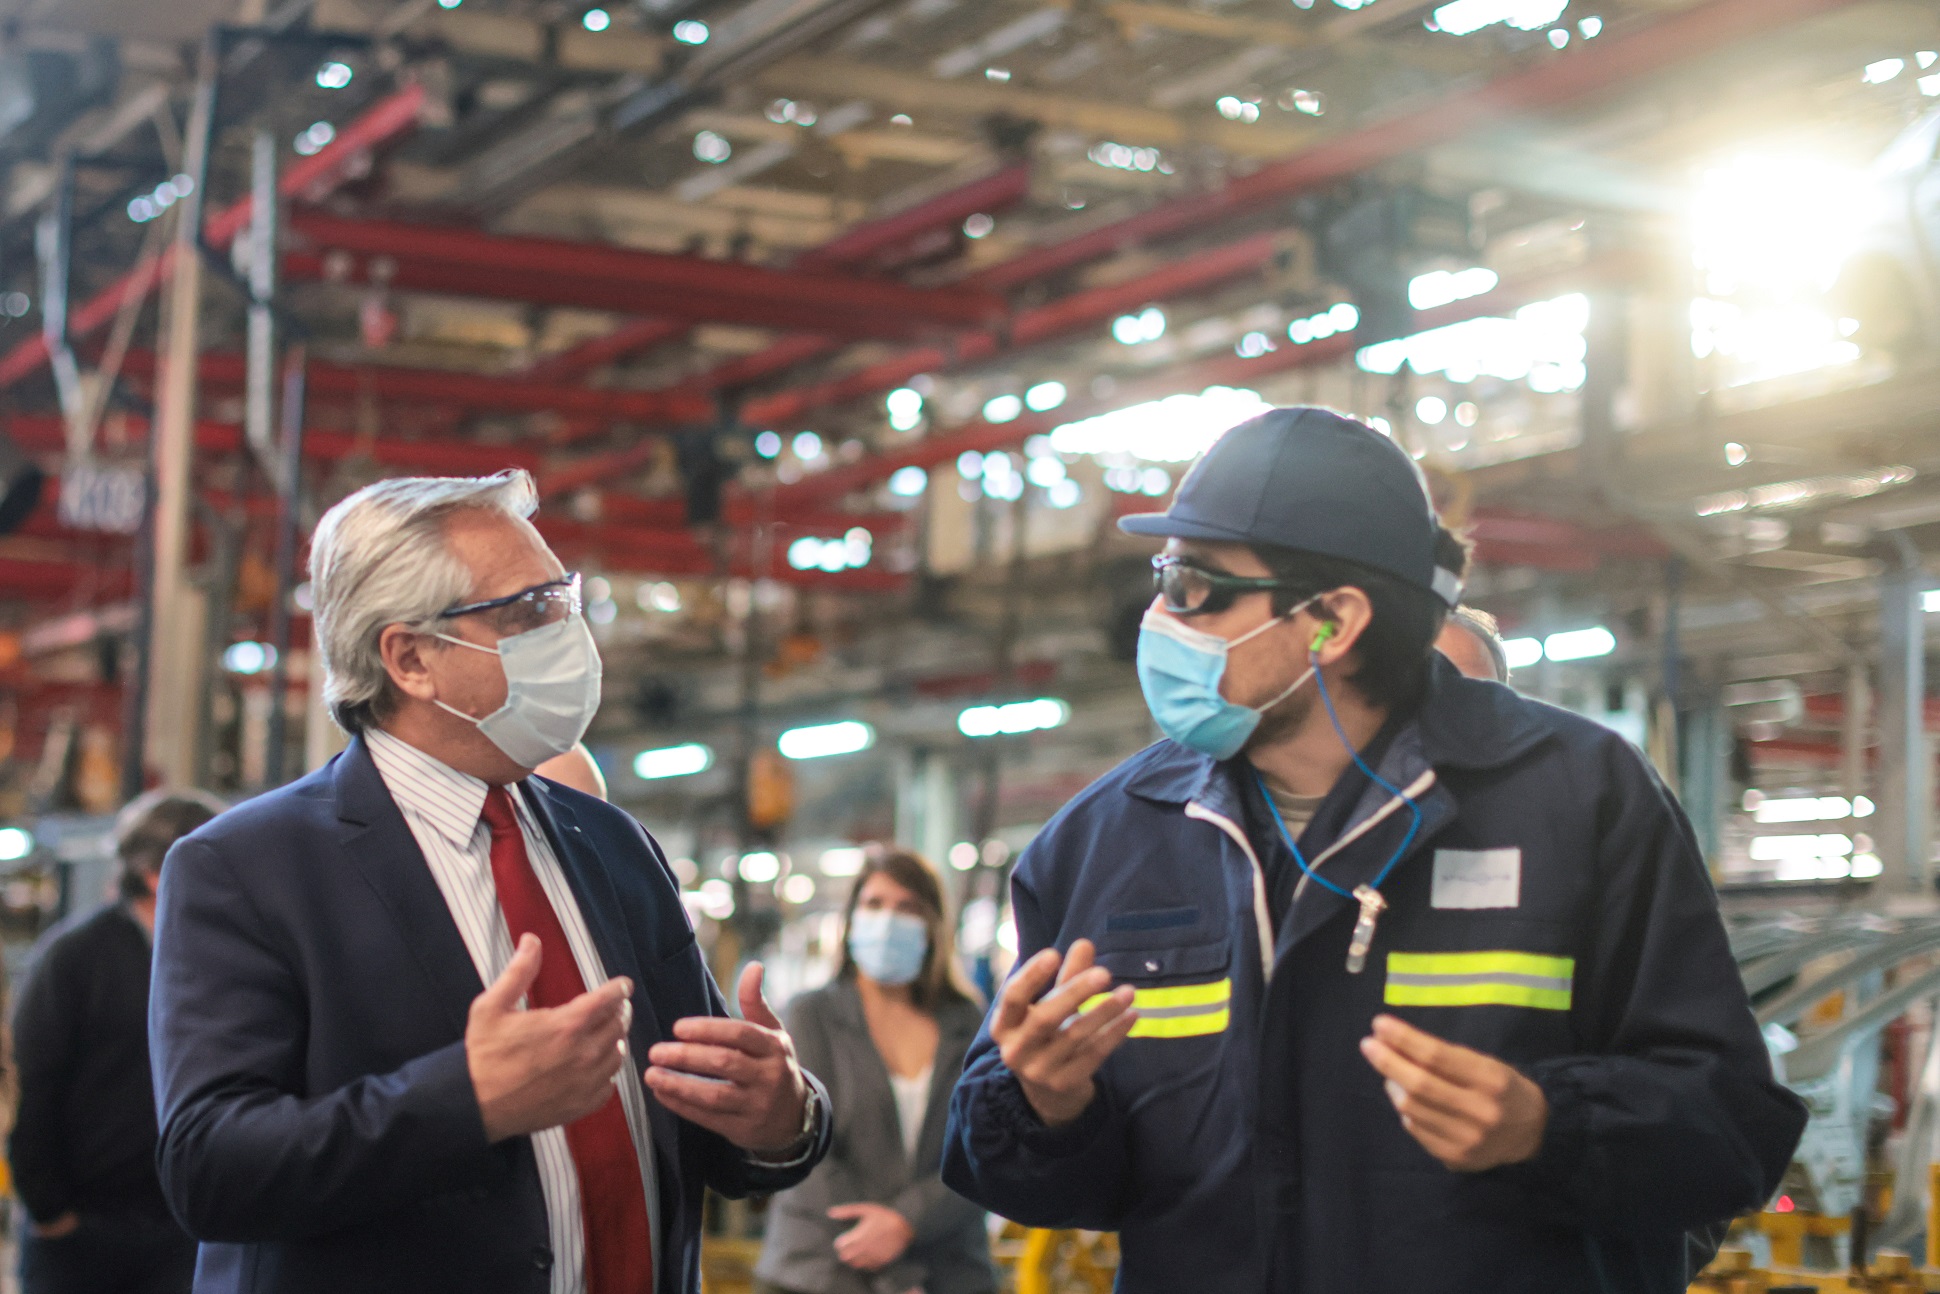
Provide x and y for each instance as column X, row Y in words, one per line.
column 1176, row 429
column 843, row 860
column 1542, row 344
column 1465, row 16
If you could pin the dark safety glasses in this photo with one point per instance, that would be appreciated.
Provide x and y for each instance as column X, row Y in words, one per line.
column 1189, row 590
column 528, row 609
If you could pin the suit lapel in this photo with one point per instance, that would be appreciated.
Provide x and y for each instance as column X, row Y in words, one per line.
column 379, row 844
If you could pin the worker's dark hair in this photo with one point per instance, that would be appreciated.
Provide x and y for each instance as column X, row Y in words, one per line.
column 1392, row 653
column 146, row 828
column 941, row 980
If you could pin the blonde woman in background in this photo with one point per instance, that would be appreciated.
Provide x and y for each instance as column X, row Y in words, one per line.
column 888, row 1036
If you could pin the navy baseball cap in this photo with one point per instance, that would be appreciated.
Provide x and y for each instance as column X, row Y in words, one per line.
column 1317, row 482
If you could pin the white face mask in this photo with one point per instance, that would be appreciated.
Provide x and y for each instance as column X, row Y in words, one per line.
column 552, row 689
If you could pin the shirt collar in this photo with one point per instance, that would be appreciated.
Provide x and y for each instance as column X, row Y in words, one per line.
column 449, row 801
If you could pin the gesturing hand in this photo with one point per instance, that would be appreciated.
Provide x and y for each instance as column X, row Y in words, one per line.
column 878, row 1238
column 1053, row 1055
column 1466, row 1109
column 539, row 1068
column 735, row 1077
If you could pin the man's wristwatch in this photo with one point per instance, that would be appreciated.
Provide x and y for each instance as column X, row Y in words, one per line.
column 804, row 1141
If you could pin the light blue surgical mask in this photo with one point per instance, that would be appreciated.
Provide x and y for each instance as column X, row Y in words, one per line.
column 889, row 947
column 1179, row 670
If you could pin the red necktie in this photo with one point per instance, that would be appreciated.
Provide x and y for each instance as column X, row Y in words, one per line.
column 612, row 1200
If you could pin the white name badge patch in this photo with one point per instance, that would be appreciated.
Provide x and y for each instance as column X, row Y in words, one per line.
column 1477, row 878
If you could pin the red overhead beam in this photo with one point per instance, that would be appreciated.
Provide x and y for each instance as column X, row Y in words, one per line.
column 628, row 339
column 870, row 246
column 880, row 244
column 1586, row 69
column 824, row 489
column 309, row 179
column 1198, row 272
column 226, row 371
column 681, row 552
column 43, row 433
column 554, row 271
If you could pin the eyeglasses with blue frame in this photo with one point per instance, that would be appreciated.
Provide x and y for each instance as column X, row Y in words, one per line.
column 528, row 609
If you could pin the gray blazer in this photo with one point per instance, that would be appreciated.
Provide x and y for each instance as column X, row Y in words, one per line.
column 950, row 1253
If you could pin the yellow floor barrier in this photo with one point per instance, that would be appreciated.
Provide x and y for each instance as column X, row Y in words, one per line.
column 1032, row 1261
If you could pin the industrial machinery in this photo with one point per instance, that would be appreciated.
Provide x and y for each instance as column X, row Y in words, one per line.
column 1847, row 1002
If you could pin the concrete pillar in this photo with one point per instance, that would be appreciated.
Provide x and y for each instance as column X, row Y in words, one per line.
column 1853, row 730
column 926, row 804
column 1903, row 827
column 177, row 661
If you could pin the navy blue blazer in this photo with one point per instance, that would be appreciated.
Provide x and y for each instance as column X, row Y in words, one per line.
column 319, row 1130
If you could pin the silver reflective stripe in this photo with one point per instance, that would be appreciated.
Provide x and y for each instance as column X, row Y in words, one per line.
column 1486, row 977
column 1178, row 1012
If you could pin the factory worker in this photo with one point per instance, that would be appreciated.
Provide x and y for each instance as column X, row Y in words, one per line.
column 1369, row 976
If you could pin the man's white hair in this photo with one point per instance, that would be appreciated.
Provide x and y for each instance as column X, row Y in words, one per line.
column 379, row 558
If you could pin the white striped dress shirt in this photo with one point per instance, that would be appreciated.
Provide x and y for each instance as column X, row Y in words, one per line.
column 442, row 806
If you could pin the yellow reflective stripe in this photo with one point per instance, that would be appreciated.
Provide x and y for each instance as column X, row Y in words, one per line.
column 1213, row 994
column 1182, row 1026
column 1495, row 978
column 1483, row 994
column 1481, row 964
column 1178, row 1010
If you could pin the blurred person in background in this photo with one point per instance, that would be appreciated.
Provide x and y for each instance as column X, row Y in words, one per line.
column 576, row 768
column 888, row 1036
column 83, row 1148
column 1473, row 641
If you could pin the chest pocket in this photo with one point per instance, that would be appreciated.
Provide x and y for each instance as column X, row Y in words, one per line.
column 1178, row 992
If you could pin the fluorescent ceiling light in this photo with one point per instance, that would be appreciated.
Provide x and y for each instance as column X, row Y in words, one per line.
column 672, row 761
column 819, row 740
column 1017, row 717
column 1580, row 644
column 1522, row 652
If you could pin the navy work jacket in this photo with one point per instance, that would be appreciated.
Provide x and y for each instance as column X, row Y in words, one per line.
column 1552, row 910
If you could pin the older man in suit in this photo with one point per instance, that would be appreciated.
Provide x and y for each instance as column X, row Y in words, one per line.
column 399, row 1006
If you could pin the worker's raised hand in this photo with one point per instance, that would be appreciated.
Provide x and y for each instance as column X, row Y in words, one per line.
column 1052, row 1045
column 539, row 1068
column 735, row 1077
column 1468, row 1110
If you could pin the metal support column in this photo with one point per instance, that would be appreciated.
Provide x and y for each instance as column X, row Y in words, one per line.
column 54, row 244
column 289, row 525
column 259, row 374
column 1904, row 797
column 175, row 714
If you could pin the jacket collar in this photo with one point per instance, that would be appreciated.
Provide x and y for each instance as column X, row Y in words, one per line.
column 1460, row 723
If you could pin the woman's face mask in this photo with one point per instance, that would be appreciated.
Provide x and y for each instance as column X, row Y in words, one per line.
column 1180, row 670
column 552, row 689
column 889, row 947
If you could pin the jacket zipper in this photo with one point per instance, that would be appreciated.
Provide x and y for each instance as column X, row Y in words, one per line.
column 1262, row 917
column 1414, row 791
column 1262, row 920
